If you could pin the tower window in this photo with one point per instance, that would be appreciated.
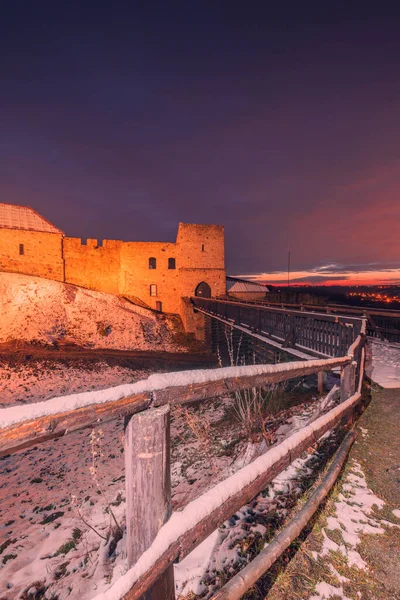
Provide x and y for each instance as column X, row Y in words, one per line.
column 21, row 249
column 152, row 263
column 171, row 263
column 202, row 247
column 153, row 290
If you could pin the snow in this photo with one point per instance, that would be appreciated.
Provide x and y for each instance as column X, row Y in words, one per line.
column 42, row 311
column 37, row 380
column 63, row 466
column 383, row 363
column 190, row 571
column 223, row 550
column 396, row 513
column 353, row 517
column 325, row 591
column 201, row 508
column 10, row 416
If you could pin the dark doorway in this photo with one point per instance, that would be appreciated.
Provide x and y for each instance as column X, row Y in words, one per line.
column 203, row 290
column 159, row 306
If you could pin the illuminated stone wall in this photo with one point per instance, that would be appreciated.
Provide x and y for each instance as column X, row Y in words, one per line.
column 42, row 253
column 93, row 266
column 137, row 270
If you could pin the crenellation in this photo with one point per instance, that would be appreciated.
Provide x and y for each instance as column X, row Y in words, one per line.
column 153, row 272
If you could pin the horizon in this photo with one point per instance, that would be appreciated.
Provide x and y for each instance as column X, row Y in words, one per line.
column 276, row 121
column 310, row 279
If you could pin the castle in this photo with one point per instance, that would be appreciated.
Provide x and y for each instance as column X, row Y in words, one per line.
column 160, row 275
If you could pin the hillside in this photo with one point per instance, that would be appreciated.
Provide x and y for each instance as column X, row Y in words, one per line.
column 41, row 311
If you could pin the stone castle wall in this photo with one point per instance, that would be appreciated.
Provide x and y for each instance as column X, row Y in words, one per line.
column 118, row 267
column 92, row 266
column 41, row 253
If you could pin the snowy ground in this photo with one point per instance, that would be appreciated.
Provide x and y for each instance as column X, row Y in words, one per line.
column 353, row 518
column 42, row 311
column 383, row 363
column 23, row 381
column 50, row 501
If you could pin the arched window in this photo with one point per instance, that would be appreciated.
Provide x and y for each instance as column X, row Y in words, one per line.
column 171, row 263
column 152, row 263
column 203, row 290
column 153, row 289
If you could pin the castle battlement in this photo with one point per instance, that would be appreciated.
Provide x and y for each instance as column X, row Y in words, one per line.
column 160, row 274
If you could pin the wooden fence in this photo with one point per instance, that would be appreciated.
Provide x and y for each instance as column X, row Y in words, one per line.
column 321, row 334
column 155, row 539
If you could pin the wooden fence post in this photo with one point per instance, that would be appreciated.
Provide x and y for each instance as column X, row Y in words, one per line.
column 348, row 381
column 148, row 489
column 321, row 381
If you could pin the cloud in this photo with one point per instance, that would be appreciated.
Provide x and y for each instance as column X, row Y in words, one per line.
column 343, row 275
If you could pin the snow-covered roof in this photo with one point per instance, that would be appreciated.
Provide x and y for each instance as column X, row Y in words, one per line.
column 13, row 216
column 234, row 284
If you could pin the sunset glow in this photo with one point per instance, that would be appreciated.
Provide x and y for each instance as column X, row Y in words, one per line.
column 322, row 277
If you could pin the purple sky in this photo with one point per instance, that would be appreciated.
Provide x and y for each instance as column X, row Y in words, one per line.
column 281, row 124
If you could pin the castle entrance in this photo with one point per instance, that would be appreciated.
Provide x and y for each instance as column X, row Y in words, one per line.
column 203, row 290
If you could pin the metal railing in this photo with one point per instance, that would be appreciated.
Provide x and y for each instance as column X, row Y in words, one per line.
column 322, row 334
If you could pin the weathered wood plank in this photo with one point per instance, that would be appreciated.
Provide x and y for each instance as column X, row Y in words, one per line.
column 29, row 433
column 201, row 391
column 348, row 381
column 148, row 488
column 194, row 536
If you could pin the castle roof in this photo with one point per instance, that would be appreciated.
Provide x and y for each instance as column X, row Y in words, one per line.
column 13, row 216
column 234, row 284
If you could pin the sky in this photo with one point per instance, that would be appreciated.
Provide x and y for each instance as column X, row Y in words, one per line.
column 119, row 120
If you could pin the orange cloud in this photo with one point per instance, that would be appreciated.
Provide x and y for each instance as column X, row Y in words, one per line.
column 318, row 277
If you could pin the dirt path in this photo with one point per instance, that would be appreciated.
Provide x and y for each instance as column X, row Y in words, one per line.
column 327, row 564
column 27, row 352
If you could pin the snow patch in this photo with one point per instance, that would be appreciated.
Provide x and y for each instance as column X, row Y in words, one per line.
column 383, row 363
column 325, row 591
column 352, row 518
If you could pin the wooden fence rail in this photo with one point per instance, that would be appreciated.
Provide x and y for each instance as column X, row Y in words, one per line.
column 147, row 460
column 29, row 432
column 179, row 537
column 251, row 573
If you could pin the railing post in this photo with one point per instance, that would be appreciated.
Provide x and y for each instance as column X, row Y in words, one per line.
column 148, row 489
column 348, row 381
column 290, row 341
column 321, row 381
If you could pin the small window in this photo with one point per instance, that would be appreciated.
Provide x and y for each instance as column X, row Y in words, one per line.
column 21, row 249
column 171, row 263
column 202, row 247
column 153, row 290
column 152, row 263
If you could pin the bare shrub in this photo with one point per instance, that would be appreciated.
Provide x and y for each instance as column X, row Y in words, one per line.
column 200, row 426
column 254, row 406
column 97, row 453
